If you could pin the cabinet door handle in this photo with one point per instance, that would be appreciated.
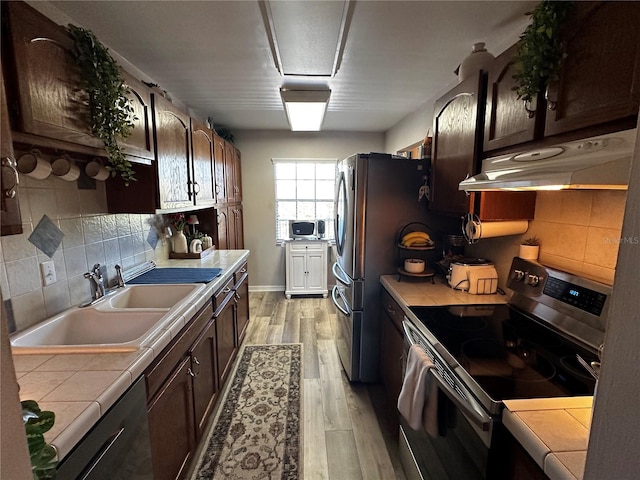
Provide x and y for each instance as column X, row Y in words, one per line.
column 217, row 189
column 531, row 112
column 551, row 104
column 237, row 296
column 190, row 372
column 11, row 191
column 195, row 360
column 226, row 290
column 243, row 270
column 196, row 188
column 391, row 310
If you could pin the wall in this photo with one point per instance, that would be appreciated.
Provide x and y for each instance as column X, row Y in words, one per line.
column 579, row 232
column 258, row 188
column 90, row 236
column 615, row 427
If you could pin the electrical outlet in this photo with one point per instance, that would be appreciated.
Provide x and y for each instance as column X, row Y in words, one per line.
column 48, row 271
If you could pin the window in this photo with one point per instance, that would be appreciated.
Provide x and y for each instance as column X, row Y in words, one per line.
column 305, row 190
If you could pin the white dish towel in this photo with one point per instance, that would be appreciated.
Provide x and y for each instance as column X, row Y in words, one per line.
column 418, row 400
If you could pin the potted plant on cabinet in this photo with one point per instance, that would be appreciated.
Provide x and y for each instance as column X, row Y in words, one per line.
column 530, row 248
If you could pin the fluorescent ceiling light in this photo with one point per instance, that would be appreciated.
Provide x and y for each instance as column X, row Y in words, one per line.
column 305, row 108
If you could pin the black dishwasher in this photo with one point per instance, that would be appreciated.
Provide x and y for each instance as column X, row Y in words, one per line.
column 117, row 446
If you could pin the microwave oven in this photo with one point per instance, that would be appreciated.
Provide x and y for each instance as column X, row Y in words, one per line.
column 306, row 229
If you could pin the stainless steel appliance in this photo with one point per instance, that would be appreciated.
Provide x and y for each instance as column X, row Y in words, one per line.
column 485, row 354
column 601, row 162
column 118, row 446
column 376, row 195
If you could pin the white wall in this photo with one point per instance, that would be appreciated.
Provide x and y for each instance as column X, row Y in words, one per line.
column 266, row 263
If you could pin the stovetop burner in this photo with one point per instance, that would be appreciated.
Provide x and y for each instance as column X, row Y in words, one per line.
column 490, row 357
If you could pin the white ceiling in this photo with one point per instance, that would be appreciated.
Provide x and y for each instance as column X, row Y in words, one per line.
column 214, row 56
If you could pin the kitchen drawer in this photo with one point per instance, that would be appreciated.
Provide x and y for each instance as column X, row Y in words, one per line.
column 223, row 293
column 164, row 363
column 393, row 310
column 240, row 272
column 308, row 246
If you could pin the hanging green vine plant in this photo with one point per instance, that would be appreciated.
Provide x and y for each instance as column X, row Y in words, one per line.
column 540, row 50
column 109, row 108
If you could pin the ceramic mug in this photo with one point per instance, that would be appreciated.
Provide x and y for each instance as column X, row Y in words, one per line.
column 33, row 165
column 96, row 170
column 64, row 168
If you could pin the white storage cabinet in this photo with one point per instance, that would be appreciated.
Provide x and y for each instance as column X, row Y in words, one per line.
column 306, row 267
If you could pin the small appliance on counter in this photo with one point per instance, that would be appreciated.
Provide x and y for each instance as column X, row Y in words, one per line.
column 477, row 276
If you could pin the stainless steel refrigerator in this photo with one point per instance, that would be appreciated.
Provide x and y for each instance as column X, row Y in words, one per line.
column 376, row 195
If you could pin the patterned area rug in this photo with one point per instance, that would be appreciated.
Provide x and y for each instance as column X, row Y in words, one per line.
column 257, row 433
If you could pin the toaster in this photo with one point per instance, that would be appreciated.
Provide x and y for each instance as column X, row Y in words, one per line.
column 478, row 277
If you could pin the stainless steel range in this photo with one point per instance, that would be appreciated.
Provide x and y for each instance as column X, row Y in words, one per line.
column 485, row 354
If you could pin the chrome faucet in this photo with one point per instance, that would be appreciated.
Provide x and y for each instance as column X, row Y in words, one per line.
column 119, row 276
column 97, row 282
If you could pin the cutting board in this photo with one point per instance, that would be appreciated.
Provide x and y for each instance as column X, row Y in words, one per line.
column 177, row 275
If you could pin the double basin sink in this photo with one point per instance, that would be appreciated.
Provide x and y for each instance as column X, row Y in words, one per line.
column 126, row 320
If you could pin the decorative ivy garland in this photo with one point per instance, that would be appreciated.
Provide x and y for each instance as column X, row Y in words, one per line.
column 110, row 110
column 540, row 51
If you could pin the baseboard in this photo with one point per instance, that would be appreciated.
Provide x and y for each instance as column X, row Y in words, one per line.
column 266, row 288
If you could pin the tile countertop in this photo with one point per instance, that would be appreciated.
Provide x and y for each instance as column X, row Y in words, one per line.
column 413, row 293
column 80, row 388
column 555, row 432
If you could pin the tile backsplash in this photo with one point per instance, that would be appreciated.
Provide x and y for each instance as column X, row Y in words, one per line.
column 91, row 236
column 580, row 231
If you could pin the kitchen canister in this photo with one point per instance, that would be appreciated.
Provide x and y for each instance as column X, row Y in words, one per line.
column 207, row 242
column 478, row 59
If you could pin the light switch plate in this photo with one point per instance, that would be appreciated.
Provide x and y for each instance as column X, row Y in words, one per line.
column 48, row 271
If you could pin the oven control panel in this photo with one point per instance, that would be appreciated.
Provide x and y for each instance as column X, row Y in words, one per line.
column 575, row 295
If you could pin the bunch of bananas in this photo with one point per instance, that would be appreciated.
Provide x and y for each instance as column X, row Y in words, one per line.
column 417, row 239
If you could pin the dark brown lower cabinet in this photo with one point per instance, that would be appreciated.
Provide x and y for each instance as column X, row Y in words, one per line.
column 183, row 381
column 391, row 350
column 171, row 424
column 241, row 289
column 226, row 336
column 205, row 377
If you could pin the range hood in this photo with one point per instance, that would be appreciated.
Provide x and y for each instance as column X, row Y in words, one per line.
column 601, row 162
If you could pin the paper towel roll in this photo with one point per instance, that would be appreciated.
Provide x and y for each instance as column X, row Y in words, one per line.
column 476, row 230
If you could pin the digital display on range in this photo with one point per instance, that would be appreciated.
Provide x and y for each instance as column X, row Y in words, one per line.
column 574, row 295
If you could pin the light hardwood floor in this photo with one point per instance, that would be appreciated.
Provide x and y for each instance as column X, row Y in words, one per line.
column 347, row 432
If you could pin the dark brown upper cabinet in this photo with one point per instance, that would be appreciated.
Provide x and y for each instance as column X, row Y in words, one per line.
column 598, row 86
column 139, row 144
column 46, row 100
column 9, row 207
column 232, row 171
column 219, row 160
column 599, row 81
column 48, row 106
column 457, row 139
column 509, row 121
column 172, row 133
column 201, row 181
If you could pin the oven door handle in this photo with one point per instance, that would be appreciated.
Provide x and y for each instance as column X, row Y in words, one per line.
column 334, row 297
column 468, row 406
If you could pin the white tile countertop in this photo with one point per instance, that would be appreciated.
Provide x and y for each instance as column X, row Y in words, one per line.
column 555, row 432
column 424, row 293
column 80, row 388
